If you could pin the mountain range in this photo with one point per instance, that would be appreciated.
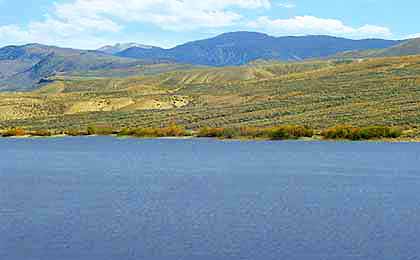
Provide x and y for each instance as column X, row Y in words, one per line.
column 30, row 66
column 238, row 48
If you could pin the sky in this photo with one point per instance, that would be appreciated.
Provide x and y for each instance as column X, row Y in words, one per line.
column 90, row 24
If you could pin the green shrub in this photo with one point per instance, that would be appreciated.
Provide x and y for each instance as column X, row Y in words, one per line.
column 170, row 131
column 276, row 133
column 364, row 133
column 290, row 132
column 100, row 130
column 210, row 132
column 339, row 132
column 230, row 133
column 224, row 133
column 126, row 132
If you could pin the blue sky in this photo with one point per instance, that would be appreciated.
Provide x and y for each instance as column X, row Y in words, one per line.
column 92, row 23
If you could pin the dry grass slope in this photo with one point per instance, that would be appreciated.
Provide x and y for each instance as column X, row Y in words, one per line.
column 319, row 94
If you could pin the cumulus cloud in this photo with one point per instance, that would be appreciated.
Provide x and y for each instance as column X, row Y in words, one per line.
column 84, row 20
column 167, row 14
column 91, row 23
column 303, row 25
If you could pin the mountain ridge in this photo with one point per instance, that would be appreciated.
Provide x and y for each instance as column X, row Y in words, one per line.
column 26, row 67
column 239, row 48
column 406, row 48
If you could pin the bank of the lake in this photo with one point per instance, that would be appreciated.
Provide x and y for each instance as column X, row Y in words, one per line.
column 340, row 133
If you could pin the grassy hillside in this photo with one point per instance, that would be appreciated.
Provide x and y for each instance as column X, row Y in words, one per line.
column 382, row 91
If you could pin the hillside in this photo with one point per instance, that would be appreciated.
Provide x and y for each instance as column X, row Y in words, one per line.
column 240, row 48
column 27, row 67
column 409, row 47
column 30, row 66
column 384, row 91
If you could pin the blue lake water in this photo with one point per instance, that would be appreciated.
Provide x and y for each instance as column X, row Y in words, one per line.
column 110, row 199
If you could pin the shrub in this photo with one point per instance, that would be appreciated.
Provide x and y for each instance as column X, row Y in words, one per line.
column 210, row 132
column 230, row 133
column 14, row 132
column 170, row 131
column 276, row 133
column 227, row 133
column 339, row 132
column 75, row 133
column 290, row 132
column 253, row 132
column 279, row 134
column 126, row 132
column 379, row 132
column 100, row 130
column 365, row 133
column 41, row 133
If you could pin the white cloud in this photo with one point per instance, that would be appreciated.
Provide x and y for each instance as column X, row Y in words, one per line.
column 413, row 36
column 286, row 5
column 12, row 31
column 81, row 21
column 167, row 14
column 304, row 25
column 91, row 23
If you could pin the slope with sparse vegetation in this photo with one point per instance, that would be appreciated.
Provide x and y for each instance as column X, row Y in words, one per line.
column 318, row 94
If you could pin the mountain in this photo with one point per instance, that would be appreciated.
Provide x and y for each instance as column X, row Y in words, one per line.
column 406, row 48
column 119, row 47
column 25, row 67
column 239, row 48
column 410, row 47
column 29, row 66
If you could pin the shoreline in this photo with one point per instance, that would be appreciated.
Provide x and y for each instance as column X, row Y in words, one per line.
column 305, row 139
column 275, row 133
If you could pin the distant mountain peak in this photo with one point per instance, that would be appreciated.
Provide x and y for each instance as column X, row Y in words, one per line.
column 243, row 33
column 119, row 47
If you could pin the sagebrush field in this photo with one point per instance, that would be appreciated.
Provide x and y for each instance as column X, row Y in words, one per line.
column 317, row 94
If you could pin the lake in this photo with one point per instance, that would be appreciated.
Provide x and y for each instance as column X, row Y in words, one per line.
column 103, row 198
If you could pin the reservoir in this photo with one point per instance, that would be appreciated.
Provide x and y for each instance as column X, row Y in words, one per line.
column 104, row 198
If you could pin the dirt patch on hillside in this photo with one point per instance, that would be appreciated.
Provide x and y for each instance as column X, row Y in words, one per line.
column 99, row 105
column 159, row 103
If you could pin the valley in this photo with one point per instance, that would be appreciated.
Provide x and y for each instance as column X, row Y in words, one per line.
column 320, row 94
column 347, row 89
